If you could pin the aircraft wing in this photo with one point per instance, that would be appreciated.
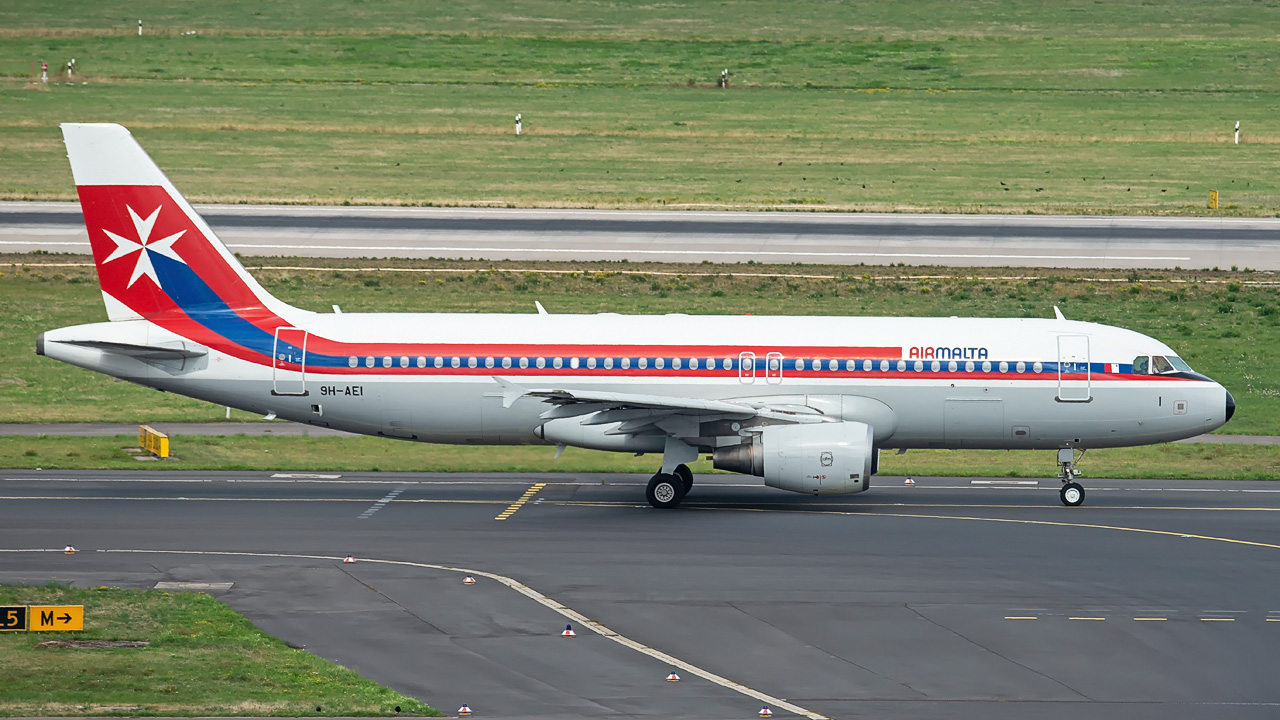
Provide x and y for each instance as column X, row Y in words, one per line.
column 636, row 413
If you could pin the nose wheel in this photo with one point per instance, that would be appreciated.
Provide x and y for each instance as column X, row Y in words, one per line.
column 1072, row 492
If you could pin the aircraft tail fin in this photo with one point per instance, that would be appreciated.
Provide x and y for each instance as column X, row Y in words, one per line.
column 153, row 251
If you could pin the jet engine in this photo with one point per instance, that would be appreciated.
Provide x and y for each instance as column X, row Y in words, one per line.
column 820, row 458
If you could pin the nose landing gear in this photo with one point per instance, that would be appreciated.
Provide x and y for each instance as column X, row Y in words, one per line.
column 1072, row 493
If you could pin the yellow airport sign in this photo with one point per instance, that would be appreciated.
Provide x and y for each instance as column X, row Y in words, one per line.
column 153, row 441
column 56, row 617
column 13, row 618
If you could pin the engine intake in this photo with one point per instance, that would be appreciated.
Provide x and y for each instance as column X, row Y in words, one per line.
column 820, row 458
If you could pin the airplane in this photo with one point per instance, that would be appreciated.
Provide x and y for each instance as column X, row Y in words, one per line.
column 806, row 403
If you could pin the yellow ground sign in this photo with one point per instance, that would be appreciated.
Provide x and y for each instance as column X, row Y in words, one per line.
column 153, row 441
column 56, row 617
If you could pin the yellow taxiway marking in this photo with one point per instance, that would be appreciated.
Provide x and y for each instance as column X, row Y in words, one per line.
column 1015, row 617
column 526, row 497
column 1152, row 619
column 1085, row 618
column 1273, row 619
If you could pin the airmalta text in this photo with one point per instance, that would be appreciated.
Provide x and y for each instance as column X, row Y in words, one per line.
column 948, row 353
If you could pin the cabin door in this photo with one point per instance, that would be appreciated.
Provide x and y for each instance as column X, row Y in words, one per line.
column 289, row 362
column 1073, row 369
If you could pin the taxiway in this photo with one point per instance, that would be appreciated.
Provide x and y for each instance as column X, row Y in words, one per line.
column 697, row 236
column 954, row 598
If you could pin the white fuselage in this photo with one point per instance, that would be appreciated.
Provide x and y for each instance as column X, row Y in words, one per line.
column 919, row 382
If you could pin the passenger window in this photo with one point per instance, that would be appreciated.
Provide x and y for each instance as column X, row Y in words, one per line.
column 353, row 361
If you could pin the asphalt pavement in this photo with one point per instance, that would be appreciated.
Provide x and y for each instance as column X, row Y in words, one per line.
column 952, row 598
column 697, row 236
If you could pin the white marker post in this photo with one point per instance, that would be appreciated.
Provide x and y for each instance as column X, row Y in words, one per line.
column 44, row 72
column 517, row 123
column 1237, row 132
column 139, row 28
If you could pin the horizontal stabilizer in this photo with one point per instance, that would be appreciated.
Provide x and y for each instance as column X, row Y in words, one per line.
column 171, row 351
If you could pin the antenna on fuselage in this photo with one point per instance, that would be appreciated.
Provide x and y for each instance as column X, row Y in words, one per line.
column 1058, row 313
column 541, row 310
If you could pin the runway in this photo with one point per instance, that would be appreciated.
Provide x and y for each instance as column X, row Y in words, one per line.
column 953, row 598
column 694, row 237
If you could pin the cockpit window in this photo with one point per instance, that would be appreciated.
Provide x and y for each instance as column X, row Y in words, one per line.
column 1159, row 365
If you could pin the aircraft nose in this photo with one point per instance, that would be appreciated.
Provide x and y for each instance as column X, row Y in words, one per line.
column 1231, row 405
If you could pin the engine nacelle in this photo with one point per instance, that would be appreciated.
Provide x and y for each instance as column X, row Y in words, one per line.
column 819, row 458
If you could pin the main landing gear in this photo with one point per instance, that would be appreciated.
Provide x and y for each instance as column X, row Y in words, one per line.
column 667, row 490
column 1072, row 493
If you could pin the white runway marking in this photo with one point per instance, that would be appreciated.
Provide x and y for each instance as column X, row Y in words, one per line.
column 563, row 610
column 383, row 502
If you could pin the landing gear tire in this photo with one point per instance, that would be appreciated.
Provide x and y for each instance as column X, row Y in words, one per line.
column 1072, row 494
column 683, row 472
column 665, row 491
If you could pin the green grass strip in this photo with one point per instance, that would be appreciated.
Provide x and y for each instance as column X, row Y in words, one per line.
column 204, row 659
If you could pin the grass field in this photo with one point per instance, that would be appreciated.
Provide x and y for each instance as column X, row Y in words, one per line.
column 1119, row 107
column 1224, row 323
column 204, row 659
column 368, row 454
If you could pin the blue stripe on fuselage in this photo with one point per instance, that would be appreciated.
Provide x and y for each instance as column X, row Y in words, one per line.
column 203, row 305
